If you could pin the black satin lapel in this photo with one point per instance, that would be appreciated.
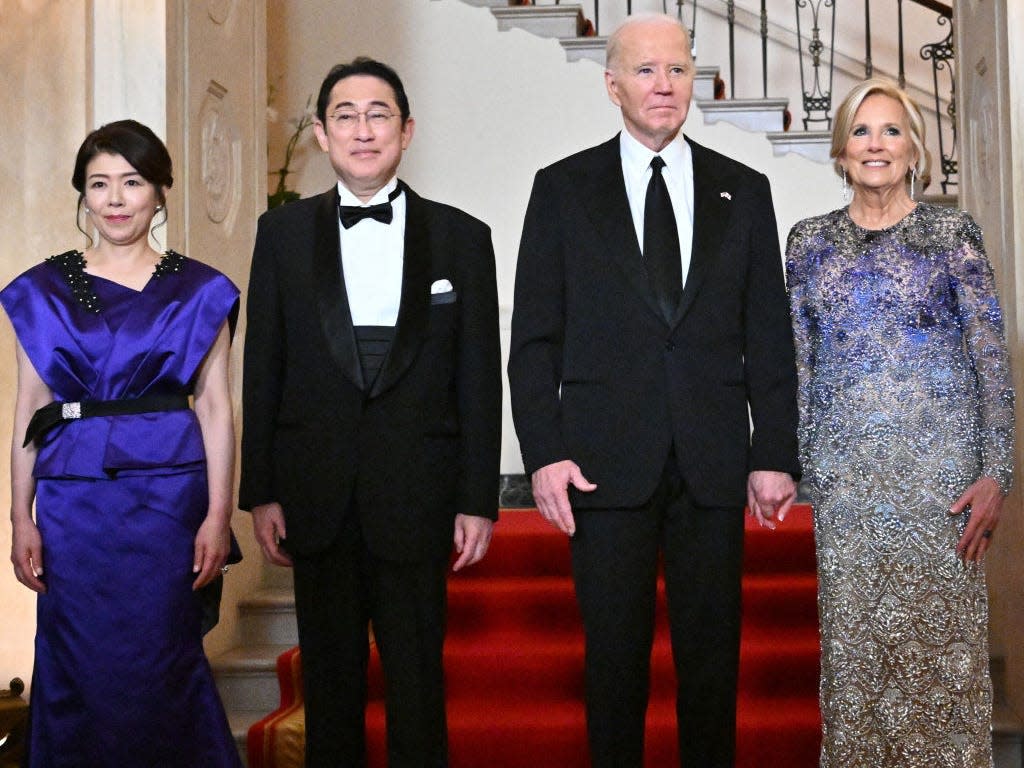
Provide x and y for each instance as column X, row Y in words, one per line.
column 711, row 215
column 604, row 197
column 413, row 312
column 329, row 289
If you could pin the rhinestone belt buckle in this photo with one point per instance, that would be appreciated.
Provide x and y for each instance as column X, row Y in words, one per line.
column 71, row 410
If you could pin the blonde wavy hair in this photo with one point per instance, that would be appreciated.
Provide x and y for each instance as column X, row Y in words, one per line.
column 848, row 109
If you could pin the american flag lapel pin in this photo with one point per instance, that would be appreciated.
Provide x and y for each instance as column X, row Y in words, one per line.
column 726, row 195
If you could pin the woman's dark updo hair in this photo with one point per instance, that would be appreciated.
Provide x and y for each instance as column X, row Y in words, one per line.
column 133, row 141
column 138, row 145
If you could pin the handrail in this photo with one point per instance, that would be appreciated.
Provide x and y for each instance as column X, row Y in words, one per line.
column 934, row 5
column 815, row 49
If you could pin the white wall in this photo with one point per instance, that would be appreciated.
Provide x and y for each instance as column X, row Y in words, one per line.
column 491, row 108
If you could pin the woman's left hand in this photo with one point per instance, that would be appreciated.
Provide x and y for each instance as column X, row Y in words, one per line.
column 213, row 542
column 986, row 503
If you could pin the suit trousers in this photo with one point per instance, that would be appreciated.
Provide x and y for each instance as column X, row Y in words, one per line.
column 615, row 557
column 339, row 592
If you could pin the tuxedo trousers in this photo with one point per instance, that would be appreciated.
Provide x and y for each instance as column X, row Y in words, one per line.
column 616, row 555
column 339, row 593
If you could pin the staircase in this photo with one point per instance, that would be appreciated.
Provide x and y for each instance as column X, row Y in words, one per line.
column 514, row 657
column 566, row 23
column 245, row 675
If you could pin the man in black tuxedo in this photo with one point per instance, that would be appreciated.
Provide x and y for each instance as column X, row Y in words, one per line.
column 650, row 312
column 371, row 424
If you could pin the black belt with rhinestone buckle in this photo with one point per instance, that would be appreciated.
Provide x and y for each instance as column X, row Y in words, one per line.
column 56, row 413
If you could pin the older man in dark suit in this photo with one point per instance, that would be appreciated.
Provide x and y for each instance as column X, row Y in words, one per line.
column 650, row 313
column 371, row 424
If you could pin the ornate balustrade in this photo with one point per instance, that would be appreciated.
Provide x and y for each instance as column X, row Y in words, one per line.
column 810, row 51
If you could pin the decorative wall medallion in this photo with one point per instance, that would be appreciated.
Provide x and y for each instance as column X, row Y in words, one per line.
column 219, row 155
column 219, row 10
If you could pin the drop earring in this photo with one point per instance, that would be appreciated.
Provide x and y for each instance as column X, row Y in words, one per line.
column 913, row 178
column 846, row 187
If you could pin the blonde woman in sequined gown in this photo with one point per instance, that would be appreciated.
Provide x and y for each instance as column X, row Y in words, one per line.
column 906, row 438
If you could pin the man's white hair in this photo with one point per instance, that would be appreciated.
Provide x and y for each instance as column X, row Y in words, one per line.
column 611, row 51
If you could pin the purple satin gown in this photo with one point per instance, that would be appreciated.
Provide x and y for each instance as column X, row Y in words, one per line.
column 120, row 676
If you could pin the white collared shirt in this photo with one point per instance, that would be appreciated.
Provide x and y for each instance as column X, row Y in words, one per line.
column 678, row 174
column 372, row 254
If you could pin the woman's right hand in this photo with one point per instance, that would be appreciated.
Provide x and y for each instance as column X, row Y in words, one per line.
column 27, row 554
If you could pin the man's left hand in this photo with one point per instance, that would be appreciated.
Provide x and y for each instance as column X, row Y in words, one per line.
column 472, row 538
column 769, row 496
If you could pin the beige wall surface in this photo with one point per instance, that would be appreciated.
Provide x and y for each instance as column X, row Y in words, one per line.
column 43, row 103
column 216, row 70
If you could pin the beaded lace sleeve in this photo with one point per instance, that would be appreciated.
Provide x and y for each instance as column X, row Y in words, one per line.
column 981, row 319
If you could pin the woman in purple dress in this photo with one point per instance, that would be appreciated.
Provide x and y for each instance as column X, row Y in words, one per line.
column 124, row 440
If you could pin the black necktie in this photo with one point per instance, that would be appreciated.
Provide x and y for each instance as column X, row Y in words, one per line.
column 382, row 212
column 661, row 243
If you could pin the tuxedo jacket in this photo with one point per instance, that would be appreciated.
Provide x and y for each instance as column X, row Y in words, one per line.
column 598, row 376
column 406, row 452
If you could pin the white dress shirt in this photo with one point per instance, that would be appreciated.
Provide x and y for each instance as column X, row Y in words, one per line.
column 372, row 254
column 678, row 174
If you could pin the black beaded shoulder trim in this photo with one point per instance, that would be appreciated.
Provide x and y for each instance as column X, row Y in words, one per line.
column 72, row 267
column 170, row 262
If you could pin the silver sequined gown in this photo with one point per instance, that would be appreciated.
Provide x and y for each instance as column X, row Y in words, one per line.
column 905, row 400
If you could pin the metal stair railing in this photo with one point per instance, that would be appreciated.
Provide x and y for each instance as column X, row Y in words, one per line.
column 809, row 30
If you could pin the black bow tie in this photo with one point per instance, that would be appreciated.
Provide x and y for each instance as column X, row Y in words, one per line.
column 382, row 212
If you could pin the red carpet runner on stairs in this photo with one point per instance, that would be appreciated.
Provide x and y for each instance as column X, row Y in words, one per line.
column 514, row 658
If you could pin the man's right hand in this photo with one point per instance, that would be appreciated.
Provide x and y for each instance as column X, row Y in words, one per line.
column 268, row 525
column 551, row 492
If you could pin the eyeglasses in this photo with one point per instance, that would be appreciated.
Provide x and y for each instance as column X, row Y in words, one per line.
column 348, row 119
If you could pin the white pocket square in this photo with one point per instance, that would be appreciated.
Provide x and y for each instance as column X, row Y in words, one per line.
column 440, row 286
column 727, row 195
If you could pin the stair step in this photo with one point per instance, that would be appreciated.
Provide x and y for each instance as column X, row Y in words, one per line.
column 814, row 145
column 758, row 115
column 557, row 731
column 593, row 49
column 545, row 604
column 513, row 665
column 557, row 21
column 585, row 49
column 548, row 604
column 488, row 3
column 786, row 550
column 525, row 543
column 239, row 722
column 773, row 661
column 704, row 83
column 247, row 678
column 268, row 617
column 781, row 600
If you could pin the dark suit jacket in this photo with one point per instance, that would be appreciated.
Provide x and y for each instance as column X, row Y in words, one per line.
column 419, row 446
column 598, row 376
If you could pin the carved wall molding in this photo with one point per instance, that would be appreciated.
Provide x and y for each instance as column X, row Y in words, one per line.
column 219, row 10
column 220, row 155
